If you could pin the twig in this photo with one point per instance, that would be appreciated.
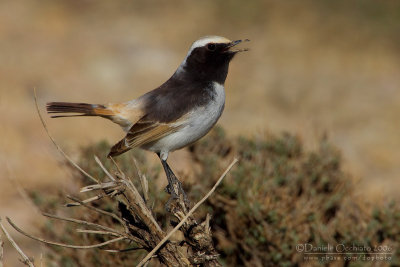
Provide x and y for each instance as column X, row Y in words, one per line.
column 105, row 228
column 97, row 186
column 143, row 182
column 100, row 211
column 100, row 196
column 155, row 249
column 57, row 146
column 122, row 250
column 82, row 222
column 96, row 232
column 103, row 168
column 25, row 258
column 62, row 244
column 116, row 165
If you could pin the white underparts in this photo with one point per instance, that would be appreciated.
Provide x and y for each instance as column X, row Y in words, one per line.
column 196, row 124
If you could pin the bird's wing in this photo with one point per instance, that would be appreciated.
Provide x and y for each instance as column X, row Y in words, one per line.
column 142, row 133
column 160, row 115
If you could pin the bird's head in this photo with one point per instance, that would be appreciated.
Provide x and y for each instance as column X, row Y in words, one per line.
column 208, row 58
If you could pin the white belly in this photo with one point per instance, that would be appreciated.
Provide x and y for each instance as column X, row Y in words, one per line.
column 197, row 124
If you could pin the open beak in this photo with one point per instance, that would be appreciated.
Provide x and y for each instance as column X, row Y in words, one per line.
column 228, row 47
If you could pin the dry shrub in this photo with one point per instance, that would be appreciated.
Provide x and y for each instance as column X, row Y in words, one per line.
column 278, row 196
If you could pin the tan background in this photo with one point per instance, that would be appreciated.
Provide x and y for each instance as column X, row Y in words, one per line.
column 314, row 67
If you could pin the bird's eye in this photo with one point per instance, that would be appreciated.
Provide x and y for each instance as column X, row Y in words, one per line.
column 211, row 47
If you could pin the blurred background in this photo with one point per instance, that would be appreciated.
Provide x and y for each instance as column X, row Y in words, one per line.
column 314, row 68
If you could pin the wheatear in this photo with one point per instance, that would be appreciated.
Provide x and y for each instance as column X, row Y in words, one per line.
column 174, row 115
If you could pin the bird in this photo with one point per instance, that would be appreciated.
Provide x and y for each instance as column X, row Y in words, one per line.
column 174, row 115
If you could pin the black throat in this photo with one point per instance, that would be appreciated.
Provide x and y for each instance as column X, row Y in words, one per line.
column 191, row 86
column 200, row 66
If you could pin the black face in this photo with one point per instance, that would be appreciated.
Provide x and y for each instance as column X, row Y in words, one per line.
column 190, row 86
column 210, row 62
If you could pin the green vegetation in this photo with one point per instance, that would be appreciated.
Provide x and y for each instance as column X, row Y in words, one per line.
column 278, row 196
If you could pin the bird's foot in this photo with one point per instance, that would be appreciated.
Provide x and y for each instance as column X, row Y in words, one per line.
column 175, row 189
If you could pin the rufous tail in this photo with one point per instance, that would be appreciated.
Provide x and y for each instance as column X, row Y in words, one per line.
column 81, row 109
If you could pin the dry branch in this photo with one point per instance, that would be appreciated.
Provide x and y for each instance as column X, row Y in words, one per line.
column 116, row 217
column 103, row 168
column 57, row 146
column 143, row 182
column 141, row 227
column 25, row 258
column 62, row 244
column 186, row 216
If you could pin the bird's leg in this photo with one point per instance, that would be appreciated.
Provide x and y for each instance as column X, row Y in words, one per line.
column 174, row 186
column 172, row 180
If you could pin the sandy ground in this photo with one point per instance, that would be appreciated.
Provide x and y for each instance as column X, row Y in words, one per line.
column 311, row 70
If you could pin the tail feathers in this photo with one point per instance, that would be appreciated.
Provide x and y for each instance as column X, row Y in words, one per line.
column 83, row 109
column 119, row 148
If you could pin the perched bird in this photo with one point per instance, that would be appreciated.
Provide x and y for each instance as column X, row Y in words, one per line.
column 174, row 115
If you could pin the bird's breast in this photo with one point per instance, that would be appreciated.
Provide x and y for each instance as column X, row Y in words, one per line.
column 195, row 124
column 202, row 118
